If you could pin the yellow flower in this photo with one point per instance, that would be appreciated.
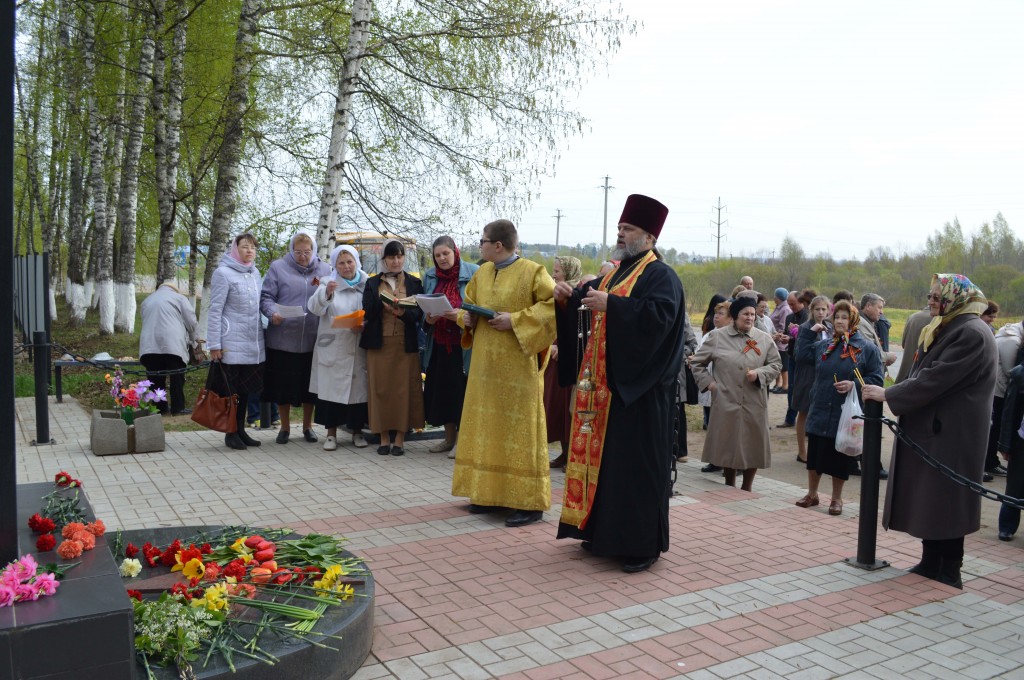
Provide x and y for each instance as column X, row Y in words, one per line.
column 214, row 598
column 345, row 591
column 240, row 547
column 194, row 568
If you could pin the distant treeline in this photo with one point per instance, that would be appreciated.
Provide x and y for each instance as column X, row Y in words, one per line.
column 992, row 257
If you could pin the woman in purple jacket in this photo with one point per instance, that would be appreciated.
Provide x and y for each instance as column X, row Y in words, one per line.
column 289, row 282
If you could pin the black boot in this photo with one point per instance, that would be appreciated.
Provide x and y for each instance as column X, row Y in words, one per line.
column 952, row 560
column 931, row 561
column 234, row 441
column 246, row 439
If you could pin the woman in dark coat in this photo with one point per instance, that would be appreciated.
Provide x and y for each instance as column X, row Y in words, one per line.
column 391, row 340
column 802, row 381
column 943, row 406
column 833, row 360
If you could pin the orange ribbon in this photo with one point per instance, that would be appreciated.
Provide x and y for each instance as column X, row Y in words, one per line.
column 851, row 352
column 751, row 345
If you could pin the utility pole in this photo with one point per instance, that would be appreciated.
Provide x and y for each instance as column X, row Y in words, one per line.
column 604, row 236
column 558, row 226
column 718, row 223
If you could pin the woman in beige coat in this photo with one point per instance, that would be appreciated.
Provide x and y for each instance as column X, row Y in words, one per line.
column 746, row 364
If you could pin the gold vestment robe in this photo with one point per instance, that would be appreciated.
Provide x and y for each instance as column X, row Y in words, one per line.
column 502, row 453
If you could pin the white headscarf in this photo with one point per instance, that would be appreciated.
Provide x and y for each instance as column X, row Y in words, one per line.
column 334, row 262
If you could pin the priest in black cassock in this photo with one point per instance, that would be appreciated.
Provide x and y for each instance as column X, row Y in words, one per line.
column 617, row 482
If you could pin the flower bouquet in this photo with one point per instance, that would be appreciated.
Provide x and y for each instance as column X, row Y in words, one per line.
column 139, row 396
column 237, row 594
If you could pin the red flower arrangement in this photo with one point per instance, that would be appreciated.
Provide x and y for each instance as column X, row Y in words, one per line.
column 45, row 543
column 135, row 594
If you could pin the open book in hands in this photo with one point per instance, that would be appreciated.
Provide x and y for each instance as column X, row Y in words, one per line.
column 391, row 300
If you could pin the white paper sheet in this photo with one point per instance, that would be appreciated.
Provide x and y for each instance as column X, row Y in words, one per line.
column 434, row 304
column 287, row 312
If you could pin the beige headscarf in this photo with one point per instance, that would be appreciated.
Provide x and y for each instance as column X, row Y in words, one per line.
column 572, row 269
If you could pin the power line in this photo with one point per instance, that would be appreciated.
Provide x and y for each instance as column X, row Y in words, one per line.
column 719, row 223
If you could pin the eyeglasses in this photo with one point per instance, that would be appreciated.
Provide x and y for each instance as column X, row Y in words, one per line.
column 305, row 253
column 934, row 298
column 487, row 240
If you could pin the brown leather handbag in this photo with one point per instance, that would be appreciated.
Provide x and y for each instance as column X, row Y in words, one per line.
column 196, row 354
column 213, row 411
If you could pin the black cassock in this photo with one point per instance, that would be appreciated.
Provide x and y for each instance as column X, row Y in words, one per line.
column 644, row 353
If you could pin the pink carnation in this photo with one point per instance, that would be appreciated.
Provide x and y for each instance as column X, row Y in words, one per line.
column 46, row 583
column 6, row 595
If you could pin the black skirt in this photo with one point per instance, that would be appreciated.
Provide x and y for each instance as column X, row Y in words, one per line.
column 445, row 389
column 331, row 414
column 241, row 378
column 823, row 458
column 286, row 377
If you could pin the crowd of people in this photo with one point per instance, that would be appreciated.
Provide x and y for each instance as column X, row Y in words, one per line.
column 602, row 364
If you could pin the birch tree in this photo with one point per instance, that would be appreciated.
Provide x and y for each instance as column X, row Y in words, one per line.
column 225, row 197
column 127, row 207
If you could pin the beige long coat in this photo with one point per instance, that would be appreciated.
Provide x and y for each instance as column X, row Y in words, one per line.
column 738, row 430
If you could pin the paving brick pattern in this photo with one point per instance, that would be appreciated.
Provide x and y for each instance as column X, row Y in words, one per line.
column 752, row 587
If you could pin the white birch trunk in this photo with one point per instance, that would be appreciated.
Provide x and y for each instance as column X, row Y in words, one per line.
column 124, row 318
column 341, row 125
column 225, row 199
column 96, row 178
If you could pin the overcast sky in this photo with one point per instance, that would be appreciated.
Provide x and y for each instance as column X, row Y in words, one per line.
column 843, row 125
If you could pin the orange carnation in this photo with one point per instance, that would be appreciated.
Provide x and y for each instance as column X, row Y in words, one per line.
column 87, row 540
column 70, row 528
column 97, row 528
column 69, row 550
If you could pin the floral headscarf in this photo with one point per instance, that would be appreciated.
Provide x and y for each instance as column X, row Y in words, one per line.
column 959, row 296
column 842, row 340
column 572, row 269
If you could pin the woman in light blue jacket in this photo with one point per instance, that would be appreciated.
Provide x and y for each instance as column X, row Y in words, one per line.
column 234, row 330
column 446, row 362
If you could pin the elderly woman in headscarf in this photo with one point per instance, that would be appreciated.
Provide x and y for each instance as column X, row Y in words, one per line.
column 746, row 363
column 289, row 281
column 447, row 363
column 391, row 340
column 557, row 396
column 831, row 361
column 942, row 406
column 235, row 332
column 339, row 376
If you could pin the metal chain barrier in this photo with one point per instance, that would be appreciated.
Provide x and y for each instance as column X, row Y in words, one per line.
column 945, row 469
column 108, row 364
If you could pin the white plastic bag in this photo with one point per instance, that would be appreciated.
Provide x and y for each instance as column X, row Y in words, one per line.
column 850, row 435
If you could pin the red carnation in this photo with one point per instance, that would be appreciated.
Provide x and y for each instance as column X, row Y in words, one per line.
column 135, row 595
column 46, row 543
column 234, row 568
column 130, row 550
column 40, row 524
column 212, row 572
column 167, row 557
column 63, row 479
column 206, row 549
column 181, row 589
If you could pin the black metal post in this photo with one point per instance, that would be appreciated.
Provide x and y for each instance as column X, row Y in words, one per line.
column 871, row 463
column 42, row 374
column 8, row 457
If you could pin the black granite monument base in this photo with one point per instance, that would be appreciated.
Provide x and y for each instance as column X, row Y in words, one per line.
column 84, row 631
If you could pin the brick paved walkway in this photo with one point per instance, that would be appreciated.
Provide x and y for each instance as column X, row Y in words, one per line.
column 752, row 587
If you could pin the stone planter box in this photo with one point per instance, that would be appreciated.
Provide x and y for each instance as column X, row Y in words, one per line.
column 110, row 435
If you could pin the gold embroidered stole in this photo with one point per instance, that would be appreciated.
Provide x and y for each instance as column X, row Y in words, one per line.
column 585, row 450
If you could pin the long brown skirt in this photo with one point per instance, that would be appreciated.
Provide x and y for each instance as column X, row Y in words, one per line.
column 396, row 388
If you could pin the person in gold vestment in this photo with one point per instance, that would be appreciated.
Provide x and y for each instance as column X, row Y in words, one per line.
column 502, row 457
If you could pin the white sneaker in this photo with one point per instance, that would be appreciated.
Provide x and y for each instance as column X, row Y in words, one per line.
column 358, row 440
column 330, row 444
column 451, row 454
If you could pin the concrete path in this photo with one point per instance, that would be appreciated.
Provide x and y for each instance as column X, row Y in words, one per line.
column 753, row 587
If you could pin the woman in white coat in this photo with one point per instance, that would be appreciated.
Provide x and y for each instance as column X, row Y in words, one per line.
column 339, row 377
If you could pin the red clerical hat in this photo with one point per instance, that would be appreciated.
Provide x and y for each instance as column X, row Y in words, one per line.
column 644, row 212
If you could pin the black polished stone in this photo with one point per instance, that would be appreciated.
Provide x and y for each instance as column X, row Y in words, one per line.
column 85, row 630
